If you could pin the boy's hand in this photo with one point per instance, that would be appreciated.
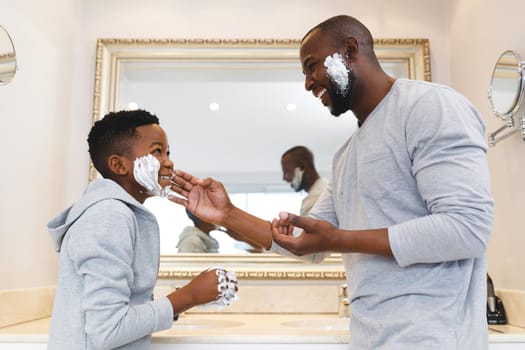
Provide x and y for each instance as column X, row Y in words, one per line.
column 207, row 287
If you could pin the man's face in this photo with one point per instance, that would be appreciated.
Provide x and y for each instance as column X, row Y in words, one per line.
column 290, row 172
column 323, row 67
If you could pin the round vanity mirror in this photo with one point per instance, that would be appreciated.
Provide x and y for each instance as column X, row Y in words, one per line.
column 7, row 57
column 506, row 86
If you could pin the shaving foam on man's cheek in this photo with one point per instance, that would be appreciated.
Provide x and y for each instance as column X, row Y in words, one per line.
column 297, row 178
column 337, row 71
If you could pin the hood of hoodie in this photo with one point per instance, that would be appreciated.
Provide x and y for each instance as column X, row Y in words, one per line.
column 98, row 190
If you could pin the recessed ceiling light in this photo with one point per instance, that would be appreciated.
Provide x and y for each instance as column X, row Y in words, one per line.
column 132, row 106
column 291, row 107
column 214, row 106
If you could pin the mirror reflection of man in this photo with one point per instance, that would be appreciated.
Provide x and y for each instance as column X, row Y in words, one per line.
column 299, row 171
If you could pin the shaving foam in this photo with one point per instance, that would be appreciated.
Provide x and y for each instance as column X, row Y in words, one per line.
column 146, row 172
column 337, row 71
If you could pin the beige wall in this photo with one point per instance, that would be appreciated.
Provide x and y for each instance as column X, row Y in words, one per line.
column 480, row 32
column 35, row 112
column 52, row 92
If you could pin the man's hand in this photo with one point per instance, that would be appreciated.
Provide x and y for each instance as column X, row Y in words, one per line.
column 205, row 198
column 317, row 236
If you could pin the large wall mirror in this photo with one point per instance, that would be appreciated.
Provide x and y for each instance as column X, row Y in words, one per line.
column 230, row 108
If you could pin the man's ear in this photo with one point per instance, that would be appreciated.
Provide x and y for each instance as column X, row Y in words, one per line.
column 117, row 165
column 351, row 48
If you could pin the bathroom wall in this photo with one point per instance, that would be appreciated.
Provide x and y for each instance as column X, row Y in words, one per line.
column 35, row 109
column 480, row 30
column 48, row 164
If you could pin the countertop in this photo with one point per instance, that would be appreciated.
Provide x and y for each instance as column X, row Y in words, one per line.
column 222, row 328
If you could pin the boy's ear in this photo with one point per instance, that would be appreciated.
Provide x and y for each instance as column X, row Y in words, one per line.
column 117, row 165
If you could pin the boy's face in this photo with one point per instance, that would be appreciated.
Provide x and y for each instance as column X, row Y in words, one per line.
column 151, row 140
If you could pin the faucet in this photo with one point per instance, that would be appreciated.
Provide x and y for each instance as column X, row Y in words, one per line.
column 344, row 302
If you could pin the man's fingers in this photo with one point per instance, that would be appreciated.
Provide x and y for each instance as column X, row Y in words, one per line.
column 279, row 229
column 178, row 200
column 302, row 222
column 182, row 181
column 287, row 242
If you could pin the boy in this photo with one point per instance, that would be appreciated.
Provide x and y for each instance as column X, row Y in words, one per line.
column 109, row 245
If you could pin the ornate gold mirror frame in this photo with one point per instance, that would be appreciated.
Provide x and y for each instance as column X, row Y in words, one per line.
column 402, row 58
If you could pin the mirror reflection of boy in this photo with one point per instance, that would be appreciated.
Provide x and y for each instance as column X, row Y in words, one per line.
column 197, row 238
column 109, row 247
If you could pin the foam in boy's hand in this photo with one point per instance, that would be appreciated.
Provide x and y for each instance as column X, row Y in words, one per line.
column 227, row 288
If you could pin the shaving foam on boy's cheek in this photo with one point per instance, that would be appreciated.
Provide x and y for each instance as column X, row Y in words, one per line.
column 337, row 71
column 146, row 172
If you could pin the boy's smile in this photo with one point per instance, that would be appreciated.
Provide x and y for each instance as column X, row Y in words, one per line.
column 151, row 140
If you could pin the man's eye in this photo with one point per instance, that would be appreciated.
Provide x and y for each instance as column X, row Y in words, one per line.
column 311, row 67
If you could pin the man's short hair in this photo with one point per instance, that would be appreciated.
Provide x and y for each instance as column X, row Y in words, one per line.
column 300, row 154
column 192, row 217
column 338, row 28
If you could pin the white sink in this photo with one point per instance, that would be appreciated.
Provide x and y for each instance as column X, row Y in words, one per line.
column 336, row 324
column 191, row 323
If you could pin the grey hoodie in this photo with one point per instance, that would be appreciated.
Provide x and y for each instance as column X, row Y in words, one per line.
column 109, row 259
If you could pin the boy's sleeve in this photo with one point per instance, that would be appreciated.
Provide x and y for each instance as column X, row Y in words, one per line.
column 103, row 254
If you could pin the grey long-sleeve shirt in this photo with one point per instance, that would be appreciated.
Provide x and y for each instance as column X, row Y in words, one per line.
column 418, row 167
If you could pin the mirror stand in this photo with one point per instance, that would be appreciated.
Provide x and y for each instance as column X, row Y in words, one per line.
column 8, row 65
column 510, row 124
column 505, row 94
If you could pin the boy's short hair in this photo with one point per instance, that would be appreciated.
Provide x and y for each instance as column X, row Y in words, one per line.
column 114, row 134
column 192, row 217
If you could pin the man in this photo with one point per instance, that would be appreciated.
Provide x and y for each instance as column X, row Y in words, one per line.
column 408, row 204
column 299, row 171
